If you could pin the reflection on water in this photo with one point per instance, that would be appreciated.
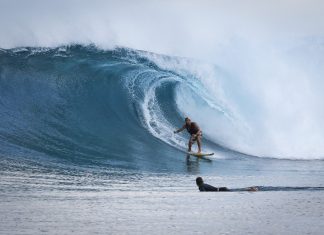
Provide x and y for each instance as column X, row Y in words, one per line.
column 192, row 163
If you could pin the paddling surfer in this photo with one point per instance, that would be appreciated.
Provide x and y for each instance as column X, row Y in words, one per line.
column 194, row 131
column 208, row 188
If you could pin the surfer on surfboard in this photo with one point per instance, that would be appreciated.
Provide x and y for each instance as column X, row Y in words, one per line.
column 194, row 131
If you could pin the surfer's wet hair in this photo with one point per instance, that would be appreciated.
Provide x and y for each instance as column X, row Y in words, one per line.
column 199, row 181
column 187, row 118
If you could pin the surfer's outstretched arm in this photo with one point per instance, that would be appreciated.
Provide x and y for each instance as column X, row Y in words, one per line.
column 179, row 130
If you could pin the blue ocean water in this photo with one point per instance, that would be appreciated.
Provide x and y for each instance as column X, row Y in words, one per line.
column 81, row 124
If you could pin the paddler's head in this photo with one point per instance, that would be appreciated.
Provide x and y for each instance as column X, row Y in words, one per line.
column 199, row 181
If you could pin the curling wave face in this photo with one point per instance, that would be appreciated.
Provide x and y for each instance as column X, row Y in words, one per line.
column 77, row 102
column 83, row 104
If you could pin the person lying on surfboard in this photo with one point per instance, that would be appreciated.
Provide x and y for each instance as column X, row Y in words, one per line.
column 194, row 131
column 208, row 188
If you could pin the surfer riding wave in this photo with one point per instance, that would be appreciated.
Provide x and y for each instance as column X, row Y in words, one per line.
column 194, row 131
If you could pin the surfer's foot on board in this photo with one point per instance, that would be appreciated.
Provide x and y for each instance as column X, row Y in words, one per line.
column 199, row 151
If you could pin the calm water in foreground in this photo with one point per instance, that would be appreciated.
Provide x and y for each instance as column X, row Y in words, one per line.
column 37, row 199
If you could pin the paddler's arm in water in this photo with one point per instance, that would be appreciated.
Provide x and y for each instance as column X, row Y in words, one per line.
column 181, row 129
